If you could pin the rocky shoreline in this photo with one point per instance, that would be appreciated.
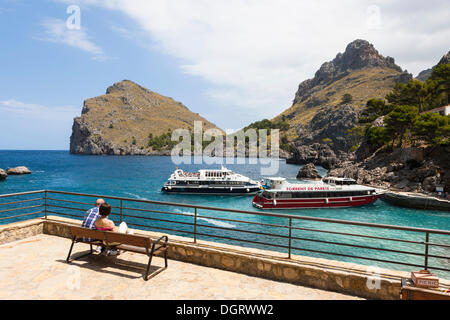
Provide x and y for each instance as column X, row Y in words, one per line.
column 418, row 170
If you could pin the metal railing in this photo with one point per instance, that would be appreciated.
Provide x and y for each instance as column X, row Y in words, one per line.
column 389, row 244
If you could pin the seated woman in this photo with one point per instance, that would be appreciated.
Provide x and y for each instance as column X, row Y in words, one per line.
column 103, row 223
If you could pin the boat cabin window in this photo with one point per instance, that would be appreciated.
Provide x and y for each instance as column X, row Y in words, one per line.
column 348, row 182
column 267, row 195
column 284, row 195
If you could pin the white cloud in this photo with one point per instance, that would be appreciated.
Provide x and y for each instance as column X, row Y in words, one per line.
column 55, row 30
column 38, row 112
column 256, row 52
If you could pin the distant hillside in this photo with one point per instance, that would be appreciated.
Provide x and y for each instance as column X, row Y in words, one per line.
column 360, row 73
column 425, row 74
column 121, row 121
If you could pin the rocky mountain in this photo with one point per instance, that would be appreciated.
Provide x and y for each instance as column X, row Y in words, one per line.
column 425, row 74
column 327, row 106
column 120, row 122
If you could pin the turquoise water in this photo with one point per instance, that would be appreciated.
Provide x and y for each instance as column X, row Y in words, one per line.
column 142, row 177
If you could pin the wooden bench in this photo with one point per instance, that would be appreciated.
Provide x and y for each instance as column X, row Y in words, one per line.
column 124, row 242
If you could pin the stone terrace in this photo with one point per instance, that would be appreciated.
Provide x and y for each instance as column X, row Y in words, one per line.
column 35, row 268
column 33, row 253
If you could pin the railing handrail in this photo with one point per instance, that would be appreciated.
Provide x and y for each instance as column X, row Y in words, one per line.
column 290, row 246
column 277, row 215
column 21, row 193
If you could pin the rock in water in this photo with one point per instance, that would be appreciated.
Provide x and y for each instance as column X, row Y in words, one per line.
column 309, row 171
column 3, row 174
column 18, row 171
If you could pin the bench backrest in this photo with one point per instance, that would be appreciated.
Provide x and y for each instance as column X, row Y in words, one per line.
column 111, row 237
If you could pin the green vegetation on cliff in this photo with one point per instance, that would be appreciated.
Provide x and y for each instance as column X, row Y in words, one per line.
column 405, row 116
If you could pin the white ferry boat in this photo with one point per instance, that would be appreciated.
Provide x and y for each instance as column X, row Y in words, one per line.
column 329, row 193
column 221, row 181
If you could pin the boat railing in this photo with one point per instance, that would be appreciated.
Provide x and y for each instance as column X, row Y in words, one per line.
column 400, row 247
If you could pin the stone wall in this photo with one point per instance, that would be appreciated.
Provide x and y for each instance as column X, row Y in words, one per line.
column 343, row 277
column 20, row 230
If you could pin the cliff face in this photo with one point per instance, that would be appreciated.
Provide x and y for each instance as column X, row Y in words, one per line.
column 119, row 122
column 328, row 105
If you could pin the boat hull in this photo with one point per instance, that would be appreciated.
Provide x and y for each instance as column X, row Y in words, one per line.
column 214, row 190
column 341, row 202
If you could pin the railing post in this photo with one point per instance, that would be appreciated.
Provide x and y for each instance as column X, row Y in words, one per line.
column 427, row 239
column 195, row 226
column 45, row 205
column 290, row 237
column 121, row 210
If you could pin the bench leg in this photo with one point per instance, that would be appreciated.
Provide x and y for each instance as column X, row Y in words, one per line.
column 165, row 257
column 148, row 267
column 91, row 251
column 147, row 276
column 70, row 251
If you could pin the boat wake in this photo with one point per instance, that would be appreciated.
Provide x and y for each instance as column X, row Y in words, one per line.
column 217, row 223
column 136, row 196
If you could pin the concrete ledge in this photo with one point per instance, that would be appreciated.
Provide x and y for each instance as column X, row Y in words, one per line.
column 21, row 230
column 416, row 201
column 343, row 277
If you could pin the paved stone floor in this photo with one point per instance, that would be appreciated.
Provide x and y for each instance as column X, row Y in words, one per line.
column 35, row 268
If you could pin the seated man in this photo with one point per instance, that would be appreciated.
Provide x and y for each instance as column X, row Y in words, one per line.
column 91, row 217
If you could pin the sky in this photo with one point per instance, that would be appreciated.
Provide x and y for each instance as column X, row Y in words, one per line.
column 233, row 62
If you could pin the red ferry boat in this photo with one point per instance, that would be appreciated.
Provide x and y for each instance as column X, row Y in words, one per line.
column 329, row 193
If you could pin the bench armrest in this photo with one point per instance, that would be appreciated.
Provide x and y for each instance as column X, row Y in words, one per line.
column 160, row 242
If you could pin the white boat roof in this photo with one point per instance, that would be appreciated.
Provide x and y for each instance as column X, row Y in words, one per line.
column 319, row 186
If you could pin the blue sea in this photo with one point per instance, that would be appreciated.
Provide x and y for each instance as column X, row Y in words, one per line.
column 140, row 177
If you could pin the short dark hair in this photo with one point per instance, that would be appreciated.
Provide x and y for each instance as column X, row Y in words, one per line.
column 104, row 210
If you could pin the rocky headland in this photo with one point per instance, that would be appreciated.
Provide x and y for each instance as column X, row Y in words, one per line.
column 122, row 121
